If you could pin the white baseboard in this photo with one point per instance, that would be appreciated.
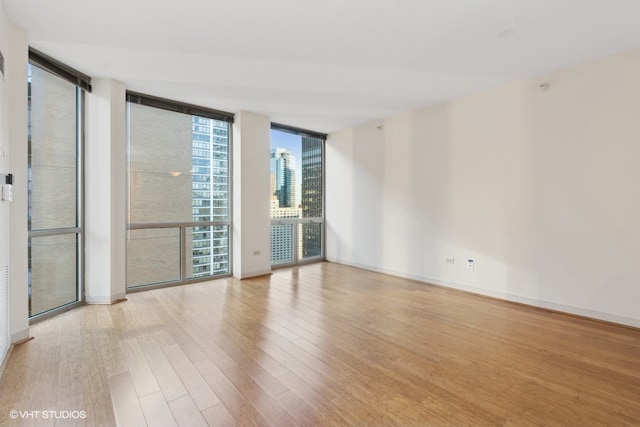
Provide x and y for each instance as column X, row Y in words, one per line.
column 4, row 358
column 578, row 311
column 104, row 299
column 252, row 274
column 20, row 336
column 17, row 338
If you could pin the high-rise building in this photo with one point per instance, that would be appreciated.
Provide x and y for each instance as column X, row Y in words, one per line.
column 283, row 205
column 282, row 235
column 210, row 188
column 283, row 166
column 312, row 198
column 312, row 177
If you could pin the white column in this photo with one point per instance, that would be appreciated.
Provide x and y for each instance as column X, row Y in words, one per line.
column 16, row 81
column 251, row 222
column 105, row 192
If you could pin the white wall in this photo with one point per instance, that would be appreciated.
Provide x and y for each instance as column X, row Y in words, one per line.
column 13, row 159
column 105, row 192
column 18, row 116
column 251, row 219
column 539, row 187
column 4, row 206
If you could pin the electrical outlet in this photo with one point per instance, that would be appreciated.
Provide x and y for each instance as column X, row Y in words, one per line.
column 450, row 260
column 256, row 253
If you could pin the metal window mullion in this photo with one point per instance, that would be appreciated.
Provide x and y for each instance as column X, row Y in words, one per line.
column 296, row 243
column 142, row 226
column 323, row 235
column 298, row 131
column 179, row 107
column 313, row 220
column 54, row 232
column 80, row 193
column 230, row 201
column 59, row 69
column 183, row 253
column 283, row 221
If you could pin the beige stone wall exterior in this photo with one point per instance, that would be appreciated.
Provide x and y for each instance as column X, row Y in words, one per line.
column 160, row 162
column 53, row 160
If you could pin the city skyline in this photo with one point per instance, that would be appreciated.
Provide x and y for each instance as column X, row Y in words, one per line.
column 282, row 171
column 292, row 143
column 296, row 233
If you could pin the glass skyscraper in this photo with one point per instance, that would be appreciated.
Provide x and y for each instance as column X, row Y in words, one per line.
column 283, row 167
column 312, row 197
column 210, row 186
column 283, row 196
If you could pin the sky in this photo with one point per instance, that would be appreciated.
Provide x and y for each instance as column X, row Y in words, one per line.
column 292, row 143
column 288, row 141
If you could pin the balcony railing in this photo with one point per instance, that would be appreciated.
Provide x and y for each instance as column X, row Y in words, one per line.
column 296, row 240
column 162, row 254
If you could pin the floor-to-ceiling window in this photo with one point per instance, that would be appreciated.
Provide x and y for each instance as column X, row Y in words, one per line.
column 54, row 184
column 297, row 195
column 179, row 192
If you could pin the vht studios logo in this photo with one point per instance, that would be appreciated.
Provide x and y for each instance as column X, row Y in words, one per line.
column 74, row 415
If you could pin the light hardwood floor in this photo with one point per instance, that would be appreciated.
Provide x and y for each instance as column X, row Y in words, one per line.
column 323, row 344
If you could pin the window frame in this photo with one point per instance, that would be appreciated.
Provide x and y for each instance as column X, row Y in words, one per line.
column 298, row 223
column 191, row 110
column 82, row 84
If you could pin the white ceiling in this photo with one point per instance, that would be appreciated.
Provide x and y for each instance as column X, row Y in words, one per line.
column 324, row 65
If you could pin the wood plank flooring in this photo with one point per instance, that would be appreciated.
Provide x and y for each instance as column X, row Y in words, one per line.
column 323, row 345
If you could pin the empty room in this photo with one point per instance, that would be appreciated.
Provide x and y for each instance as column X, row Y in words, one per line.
column 319, row 213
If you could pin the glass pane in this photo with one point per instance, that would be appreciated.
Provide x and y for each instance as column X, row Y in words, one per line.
column 178, row 167
column 285, row 177
column 179, row 173
column 52, row 272
column 210, row 251
column 296, row 191
column 153, row 256
column 52, row 151
column 282, row 241
column 160, row 162
column 310, row 240
column 210, row 169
